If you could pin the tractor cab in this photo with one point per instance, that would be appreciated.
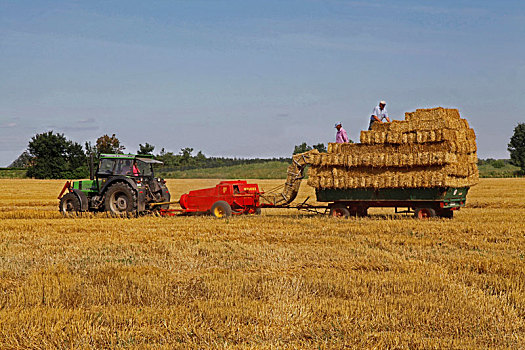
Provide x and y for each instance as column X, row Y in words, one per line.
column 123, row 165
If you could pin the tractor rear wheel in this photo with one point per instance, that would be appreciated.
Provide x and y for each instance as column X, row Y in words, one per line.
column 69, row 203
column 221, row 209
column 120, row 199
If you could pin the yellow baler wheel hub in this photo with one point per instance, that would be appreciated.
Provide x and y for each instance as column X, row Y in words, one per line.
column 219, row 212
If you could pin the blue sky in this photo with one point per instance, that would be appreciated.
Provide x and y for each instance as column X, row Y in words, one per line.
column 254, row 78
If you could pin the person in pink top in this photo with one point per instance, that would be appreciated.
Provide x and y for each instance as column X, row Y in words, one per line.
column 341, row 136
column 136, row 171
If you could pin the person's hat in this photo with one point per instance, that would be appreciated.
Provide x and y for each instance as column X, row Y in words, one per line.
column 382, row 102
column 338, row 123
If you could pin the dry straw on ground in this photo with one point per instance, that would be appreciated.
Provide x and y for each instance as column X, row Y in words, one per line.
column 430, row 148
column 279, row 280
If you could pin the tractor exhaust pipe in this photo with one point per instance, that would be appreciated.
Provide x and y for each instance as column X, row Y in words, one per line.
column 91, row 167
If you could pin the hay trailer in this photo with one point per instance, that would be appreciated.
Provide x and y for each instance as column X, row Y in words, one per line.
column 422, row 202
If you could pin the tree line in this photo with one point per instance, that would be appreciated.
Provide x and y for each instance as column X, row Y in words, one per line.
column 51, row 155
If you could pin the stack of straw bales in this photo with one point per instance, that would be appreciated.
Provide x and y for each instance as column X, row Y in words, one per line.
column 430, row 148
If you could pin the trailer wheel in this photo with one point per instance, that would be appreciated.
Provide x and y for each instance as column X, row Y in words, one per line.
column 424, row 213
column 69, row 203
column 339, row 211
column 221, row 209
column 257, row 211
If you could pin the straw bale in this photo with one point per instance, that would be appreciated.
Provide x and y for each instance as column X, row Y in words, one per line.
column 438, row 113
column 427, row 125
column 332, row 159
column 432, row 147
column 363, row 137
column 400, row 126
column 316, row 159
column 381, row 127
column 365, row 177
column 471, row 135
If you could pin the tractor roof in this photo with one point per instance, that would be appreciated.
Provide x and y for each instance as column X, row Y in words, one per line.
column 146, row 158
column 119, row 156
column 143, row 157
column 149, row 160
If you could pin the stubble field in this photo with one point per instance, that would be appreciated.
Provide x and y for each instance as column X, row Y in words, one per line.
column 284, row 279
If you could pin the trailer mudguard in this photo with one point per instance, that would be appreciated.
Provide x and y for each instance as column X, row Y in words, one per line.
column 82, row 198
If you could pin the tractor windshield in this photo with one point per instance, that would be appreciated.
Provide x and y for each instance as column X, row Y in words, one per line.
column 106, row 166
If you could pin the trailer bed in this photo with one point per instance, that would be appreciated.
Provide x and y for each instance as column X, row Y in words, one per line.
column 424, row 202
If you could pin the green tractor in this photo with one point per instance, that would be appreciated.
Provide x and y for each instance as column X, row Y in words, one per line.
column 122, row 184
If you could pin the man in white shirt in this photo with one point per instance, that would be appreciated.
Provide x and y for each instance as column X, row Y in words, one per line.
column 379, row 114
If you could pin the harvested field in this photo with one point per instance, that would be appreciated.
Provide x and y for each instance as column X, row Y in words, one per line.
column 280, row 280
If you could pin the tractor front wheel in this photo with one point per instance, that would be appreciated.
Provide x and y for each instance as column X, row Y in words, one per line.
column 221, row 209
column 69, row 203
column 120, row 199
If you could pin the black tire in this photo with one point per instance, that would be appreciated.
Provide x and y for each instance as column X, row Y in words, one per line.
column 120, row 199
column 339, row 211
column 165, row 198
column 69, row 204
column 221, row 209
column 424, row 213
column 258, row 211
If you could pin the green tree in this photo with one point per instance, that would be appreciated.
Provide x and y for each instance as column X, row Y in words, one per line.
column 107, row 144
column 55, row 157
column 302, row 148
column 146, row 149
column 516, row 147
column 200, row 158
column 186, row 157
column 168, row 158
column 320, row 147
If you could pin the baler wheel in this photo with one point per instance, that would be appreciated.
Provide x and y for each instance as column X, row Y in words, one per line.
column 69, row 203
column 120, row 199
column 221, row 209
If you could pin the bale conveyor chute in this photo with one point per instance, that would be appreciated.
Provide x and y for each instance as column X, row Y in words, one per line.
column 290, row 188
